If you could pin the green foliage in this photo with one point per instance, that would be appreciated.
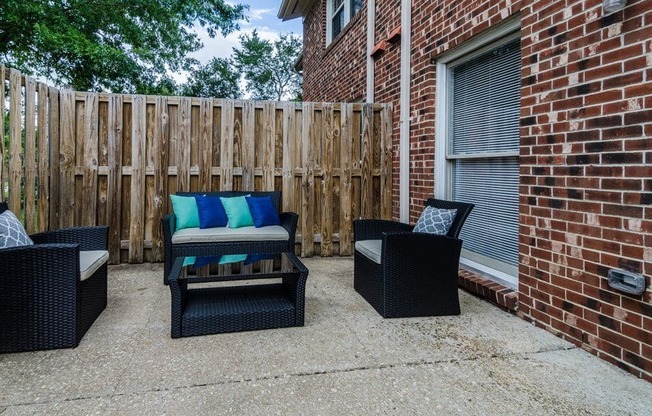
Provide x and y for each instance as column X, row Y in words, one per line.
column 268, row 66
column 217, row 79
column 109, row 45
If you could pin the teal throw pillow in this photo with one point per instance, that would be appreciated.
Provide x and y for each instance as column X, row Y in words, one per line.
column 185, row 209
column 237, row 211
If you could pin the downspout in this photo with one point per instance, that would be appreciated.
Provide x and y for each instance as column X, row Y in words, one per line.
column 371, row 31
column 404, row 136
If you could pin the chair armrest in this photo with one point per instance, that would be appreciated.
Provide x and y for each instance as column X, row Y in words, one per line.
column 374, row 229
column 289, row 221
column 169, row 224
column 88, row 238
column 428, row 251
column 46, row 261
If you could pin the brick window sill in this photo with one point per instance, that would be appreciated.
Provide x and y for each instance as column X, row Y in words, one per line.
column 502, row 296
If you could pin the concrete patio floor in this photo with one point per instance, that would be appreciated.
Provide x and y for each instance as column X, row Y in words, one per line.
column 346, row 360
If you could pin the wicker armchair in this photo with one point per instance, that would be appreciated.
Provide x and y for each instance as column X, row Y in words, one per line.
column 406, row 274
column 44, row 303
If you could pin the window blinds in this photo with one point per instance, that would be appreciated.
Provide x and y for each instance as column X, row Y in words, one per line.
column 483, row 151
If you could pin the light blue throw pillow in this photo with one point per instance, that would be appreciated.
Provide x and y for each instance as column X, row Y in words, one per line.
column 185, row 209
column 435, row 221
column 237, row 210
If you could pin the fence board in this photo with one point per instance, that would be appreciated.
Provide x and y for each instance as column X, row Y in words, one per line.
column 183, row 150
column 54, row 129
column 91, row 153
column 269, row 145
column 113, row 159
column 327, row 182
column 346, row 152
column 289, row 149
column 386, row 163
column 206, row 148
column 367, row 159
column 248, row 145
column 161, row 161
column 114, row 210
column 67, row 160
column 43, row 168
column 137, row 179
column 16, row 173
column 30, row 162
column 226, row 147
column 307, row 182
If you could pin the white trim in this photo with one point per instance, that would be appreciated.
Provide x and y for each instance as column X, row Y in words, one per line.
column 491, row 274
column 482, row 155
column 503, row 32
column 371, row 29
column 404, row 140
column 488, row 37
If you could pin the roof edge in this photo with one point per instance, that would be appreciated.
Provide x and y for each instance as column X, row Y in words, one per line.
column 291, row 9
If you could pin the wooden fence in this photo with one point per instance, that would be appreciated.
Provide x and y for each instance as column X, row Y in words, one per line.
column 77, row 159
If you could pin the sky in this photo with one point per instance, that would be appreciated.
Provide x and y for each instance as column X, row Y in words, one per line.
column 262, row 16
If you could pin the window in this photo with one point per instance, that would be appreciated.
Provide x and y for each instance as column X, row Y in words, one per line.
column 479, row 162
column 339, row 13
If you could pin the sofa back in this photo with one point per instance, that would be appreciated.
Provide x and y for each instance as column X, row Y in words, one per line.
column 276, row 195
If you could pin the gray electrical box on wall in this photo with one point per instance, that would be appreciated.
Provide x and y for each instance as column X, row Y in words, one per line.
column 628, row 282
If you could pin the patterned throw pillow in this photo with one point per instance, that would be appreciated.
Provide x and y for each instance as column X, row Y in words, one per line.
column 435, row 221
column 12, row 233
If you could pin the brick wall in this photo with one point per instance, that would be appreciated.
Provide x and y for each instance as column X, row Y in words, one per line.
column 586, row 162
column 586, row 184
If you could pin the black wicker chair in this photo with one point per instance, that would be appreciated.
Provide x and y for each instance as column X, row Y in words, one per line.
column 415, row 274
column 44, row 304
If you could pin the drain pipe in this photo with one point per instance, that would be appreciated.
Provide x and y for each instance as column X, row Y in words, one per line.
column 371, row 41
column 404, row 136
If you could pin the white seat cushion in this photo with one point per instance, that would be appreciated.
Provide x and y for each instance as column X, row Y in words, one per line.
column 371, row 249
column 225, row 234
column 90, row 261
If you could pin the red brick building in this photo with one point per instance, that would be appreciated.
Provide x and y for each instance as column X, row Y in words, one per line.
column 539, row 112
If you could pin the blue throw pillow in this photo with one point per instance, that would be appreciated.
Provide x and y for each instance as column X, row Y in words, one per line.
column 263, row 211
column 252, row 258
column 211, row 211
column 206, row 260
column 237, row 211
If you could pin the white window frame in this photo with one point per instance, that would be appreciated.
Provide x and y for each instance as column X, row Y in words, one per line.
column 348, row 15
column 501, row 34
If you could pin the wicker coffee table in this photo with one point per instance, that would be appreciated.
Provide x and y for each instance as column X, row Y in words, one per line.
column 236, row 293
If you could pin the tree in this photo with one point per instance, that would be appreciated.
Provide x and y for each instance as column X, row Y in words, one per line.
column 268, row 66
column 115, row 45
column 218, row 79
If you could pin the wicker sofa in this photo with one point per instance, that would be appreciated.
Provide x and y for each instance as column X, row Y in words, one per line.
column 405, row 274
column 52, row 292
column 224, row 240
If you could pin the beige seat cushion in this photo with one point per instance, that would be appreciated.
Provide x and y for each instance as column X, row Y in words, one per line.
column 371, row 249
column 90, row 261
column 226, row 234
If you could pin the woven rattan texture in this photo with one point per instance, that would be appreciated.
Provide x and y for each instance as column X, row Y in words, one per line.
column 418, row 272
column 43, row 303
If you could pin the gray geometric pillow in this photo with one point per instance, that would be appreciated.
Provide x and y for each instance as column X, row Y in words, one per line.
column 435, row 221
column 12, row 233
